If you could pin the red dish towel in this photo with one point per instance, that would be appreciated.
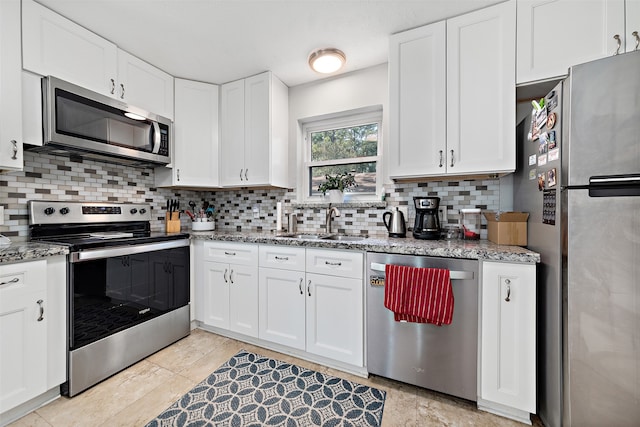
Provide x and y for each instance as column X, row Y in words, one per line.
column 419, row 295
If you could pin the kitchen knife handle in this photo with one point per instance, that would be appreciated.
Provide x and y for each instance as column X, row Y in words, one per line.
column 617, row 38
column 41, row 317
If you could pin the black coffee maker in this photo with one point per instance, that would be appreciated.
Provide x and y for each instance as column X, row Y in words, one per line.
column 427, row 225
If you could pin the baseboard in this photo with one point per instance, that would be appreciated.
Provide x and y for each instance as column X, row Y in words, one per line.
column 29, row 406
column 504, row 411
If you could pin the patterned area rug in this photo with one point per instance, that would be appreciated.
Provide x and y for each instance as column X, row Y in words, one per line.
column 251, row 390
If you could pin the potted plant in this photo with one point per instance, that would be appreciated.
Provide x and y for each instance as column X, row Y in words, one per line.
column 336, row 185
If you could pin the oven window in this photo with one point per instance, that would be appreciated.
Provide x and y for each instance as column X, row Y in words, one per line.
column 113, row 294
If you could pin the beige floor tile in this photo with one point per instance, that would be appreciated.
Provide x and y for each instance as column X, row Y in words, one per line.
column 152, row 404
column 188, row 350
column 31, row 420
column 203, row 367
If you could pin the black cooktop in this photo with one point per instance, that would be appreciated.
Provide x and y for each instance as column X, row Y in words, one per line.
column 84, row 242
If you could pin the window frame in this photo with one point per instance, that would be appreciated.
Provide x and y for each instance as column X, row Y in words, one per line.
column 338, row 121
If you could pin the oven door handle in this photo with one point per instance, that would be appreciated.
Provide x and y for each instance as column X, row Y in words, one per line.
column 116, row 251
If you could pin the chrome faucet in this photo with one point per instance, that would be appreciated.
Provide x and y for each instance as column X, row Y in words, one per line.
column 331, row 212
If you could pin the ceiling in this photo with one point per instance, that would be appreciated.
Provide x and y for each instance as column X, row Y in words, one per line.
column 218, row 41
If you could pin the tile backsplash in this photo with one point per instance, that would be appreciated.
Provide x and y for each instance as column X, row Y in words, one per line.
column 48, row 177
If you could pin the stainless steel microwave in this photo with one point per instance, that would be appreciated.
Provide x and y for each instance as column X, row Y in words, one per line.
column 77, row 120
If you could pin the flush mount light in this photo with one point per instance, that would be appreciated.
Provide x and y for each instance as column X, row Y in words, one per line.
column 327, row 61
column 134, row 116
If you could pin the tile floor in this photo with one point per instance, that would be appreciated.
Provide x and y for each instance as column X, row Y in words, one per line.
column 136, row 395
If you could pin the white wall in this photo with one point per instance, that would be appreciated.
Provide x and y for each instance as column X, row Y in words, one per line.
column 360, row 89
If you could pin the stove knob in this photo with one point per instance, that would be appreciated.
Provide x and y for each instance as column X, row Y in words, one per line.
column 64, row 211
column 143, row 211
column 133, row 211
column 49, row 211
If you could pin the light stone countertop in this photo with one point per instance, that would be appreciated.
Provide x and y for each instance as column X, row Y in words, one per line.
column 27, row 251
column 480, row 249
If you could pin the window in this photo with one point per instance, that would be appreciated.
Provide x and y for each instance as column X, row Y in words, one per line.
column 345, row 143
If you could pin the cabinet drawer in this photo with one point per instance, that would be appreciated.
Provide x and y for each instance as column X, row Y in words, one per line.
column 335, row 263
column 282, row 257
column 233, row 253
column 23, row 277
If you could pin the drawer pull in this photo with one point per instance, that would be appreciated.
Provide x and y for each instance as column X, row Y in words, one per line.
column 231, row 276
column 14, row 280
column 41, row 318
column 230, row 253
column 282, row 258
column 619, row 42
column 333, row 264
column 309, row 287
column 508, row 298
column 300, row 286
column 225, row 276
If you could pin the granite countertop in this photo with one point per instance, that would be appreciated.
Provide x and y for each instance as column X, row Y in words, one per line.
column 28, row 251
column 480, row 249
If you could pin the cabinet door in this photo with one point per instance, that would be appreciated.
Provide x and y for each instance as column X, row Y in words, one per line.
column 417, row 101
column 144, row 86
column 481, row 91
column 508, row 335
column 632, row 9
column 23, row 332
column 54, row 45
column 195, row 156
column 257, row 133
column 215, row 294
column 232, row 130
column 10, row 87
column 243, row 299
column 334, row 318
column 282, row 307
column 554, row 35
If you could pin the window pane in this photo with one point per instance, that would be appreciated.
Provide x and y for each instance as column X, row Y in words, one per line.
column 345, row 143
column 365, row 174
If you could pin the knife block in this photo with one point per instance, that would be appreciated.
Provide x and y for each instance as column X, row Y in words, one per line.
column 172, row 222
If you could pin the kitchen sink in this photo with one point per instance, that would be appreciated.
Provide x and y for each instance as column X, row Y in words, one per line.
column 335, row 237
column 344, row 238
column 305, row 236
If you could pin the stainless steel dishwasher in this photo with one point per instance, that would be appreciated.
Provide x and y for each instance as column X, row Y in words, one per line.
column 441, row 358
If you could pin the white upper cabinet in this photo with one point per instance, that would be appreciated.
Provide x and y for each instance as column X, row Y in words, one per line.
column 253, row 132
column 452, row 96
column 632, row 28
column 54, row 45
column 553, row 35
column 417, row 76
column 195, row 148
column 10, row 87
column 481, row 94
column 144, row 86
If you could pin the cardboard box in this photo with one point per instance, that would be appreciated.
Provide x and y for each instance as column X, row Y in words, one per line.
column 507, row 228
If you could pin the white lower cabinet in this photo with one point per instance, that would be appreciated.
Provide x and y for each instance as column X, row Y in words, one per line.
column 227, row 295
column 508, row 340
column 32, row 330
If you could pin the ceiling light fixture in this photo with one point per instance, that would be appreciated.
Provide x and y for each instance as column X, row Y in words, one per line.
column 327, row 61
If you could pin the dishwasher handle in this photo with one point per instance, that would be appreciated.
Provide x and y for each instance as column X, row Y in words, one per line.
column 453, row 274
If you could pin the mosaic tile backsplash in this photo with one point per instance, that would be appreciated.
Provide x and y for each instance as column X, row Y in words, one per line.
column 48, row 177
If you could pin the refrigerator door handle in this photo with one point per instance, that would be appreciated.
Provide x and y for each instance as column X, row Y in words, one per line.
column 614, row 185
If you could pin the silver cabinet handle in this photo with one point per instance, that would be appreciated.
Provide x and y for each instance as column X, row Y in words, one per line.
column 300, row 286
column 178, row 174
column 225, row 276
column 15, row 149
column 14, row 280
column 230, row 253
column 282, row 258
column 452, row 157
column 246, row 178
column 441, row 158
column 231, row 276
column 617, row 39
column 508, row 298
column 41, row 317
column 635, row 34
column 113, row 86
column 309, row 287
column 121, row 91
column 333, row 264
column 241, row 175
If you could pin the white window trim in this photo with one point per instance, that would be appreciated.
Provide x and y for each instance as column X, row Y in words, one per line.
column 336, row 121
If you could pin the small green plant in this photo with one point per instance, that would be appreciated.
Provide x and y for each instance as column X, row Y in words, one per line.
column 341, row 181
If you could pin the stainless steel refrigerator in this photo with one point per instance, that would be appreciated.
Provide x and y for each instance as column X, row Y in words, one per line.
column 578, row 176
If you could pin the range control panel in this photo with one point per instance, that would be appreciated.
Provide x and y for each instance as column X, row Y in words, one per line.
column 61, row 212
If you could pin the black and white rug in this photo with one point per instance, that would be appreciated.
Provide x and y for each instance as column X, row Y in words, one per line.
column 250, row 390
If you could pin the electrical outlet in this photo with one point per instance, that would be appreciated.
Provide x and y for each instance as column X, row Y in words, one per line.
column 442, row 213
column 405, row 211
column 256, row 211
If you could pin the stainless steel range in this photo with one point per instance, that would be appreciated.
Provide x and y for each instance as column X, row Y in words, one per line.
column 128, row 288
